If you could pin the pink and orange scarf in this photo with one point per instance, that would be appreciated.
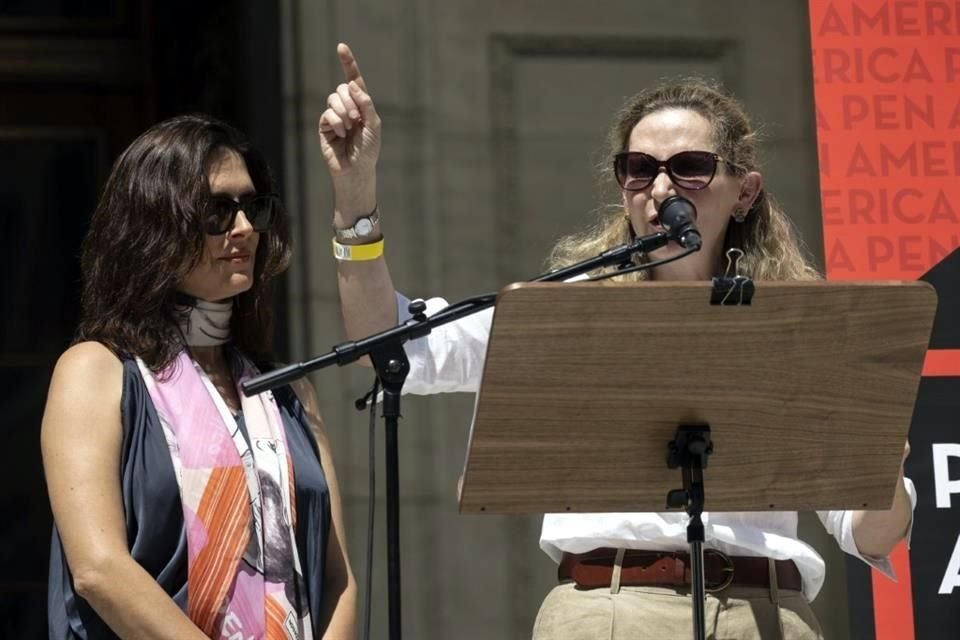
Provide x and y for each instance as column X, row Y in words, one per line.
column 244, row 576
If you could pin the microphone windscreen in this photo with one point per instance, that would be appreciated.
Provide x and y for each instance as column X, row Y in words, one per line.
column 675, row 212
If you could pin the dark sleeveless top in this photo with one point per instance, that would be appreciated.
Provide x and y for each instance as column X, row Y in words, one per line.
column 154, row 515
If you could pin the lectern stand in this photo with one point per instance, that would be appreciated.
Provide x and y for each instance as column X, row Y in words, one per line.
column 808, row 393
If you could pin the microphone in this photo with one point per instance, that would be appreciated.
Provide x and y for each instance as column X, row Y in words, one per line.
column 678, row 217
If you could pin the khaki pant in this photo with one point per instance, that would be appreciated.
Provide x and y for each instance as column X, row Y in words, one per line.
column 658, row 613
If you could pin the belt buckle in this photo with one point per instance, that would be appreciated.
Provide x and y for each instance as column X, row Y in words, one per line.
column 728, row 569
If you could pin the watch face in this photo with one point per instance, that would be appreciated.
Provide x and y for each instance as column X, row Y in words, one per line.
column 363, row 226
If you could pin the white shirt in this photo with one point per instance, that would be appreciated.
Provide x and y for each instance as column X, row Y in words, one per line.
column 451, row 359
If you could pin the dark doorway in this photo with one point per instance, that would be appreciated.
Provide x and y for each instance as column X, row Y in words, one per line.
column 79, row 80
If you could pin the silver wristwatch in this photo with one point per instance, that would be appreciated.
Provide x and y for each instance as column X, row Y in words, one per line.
column 362, row 228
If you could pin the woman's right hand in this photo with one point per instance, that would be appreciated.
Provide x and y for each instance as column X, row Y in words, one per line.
column 350, row 139
column 349, row 130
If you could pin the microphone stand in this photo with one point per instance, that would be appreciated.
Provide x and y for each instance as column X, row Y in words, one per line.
column 392, row 366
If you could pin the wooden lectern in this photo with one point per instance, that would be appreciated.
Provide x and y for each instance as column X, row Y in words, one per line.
column 808, row 392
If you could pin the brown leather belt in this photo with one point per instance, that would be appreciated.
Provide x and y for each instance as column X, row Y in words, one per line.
column 594, row 569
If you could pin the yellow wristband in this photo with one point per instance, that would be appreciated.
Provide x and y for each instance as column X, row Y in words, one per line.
column 356, row 252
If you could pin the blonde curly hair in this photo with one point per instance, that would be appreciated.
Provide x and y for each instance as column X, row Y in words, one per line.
column 767, row 238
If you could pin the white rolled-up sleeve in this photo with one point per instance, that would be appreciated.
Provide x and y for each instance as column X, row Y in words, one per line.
column 839, row 524
column 450, row 358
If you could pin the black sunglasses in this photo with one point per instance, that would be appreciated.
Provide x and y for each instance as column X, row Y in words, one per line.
column 635, row 170
column 220, row 212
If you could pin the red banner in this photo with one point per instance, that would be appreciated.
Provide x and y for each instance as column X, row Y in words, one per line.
column 887, row 90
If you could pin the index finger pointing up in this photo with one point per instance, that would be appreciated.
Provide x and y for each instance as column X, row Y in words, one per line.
column 351, row 70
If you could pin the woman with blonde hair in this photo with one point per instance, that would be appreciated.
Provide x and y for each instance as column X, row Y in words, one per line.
column 761, row 230
column 626, row 575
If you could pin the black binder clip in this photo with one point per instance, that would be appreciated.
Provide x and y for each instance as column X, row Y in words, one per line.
column 732, row 288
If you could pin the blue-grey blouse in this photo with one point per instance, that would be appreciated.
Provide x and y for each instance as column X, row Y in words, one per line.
column 154, row 515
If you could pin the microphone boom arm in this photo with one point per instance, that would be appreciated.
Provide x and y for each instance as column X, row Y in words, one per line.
column 420, row 325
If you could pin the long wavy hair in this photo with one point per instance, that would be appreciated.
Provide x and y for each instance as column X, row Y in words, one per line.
column 146, row 234
column 767, row 238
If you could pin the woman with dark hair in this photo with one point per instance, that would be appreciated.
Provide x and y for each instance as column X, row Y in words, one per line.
column 183, row 509
column 626, row 575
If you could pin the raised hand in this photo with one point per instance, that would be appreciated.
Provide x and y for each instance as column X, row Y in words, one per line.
column 349, row 128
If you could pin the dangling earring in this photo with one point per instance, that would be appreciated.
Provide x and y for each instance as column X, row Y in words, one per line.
column 739, row 215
